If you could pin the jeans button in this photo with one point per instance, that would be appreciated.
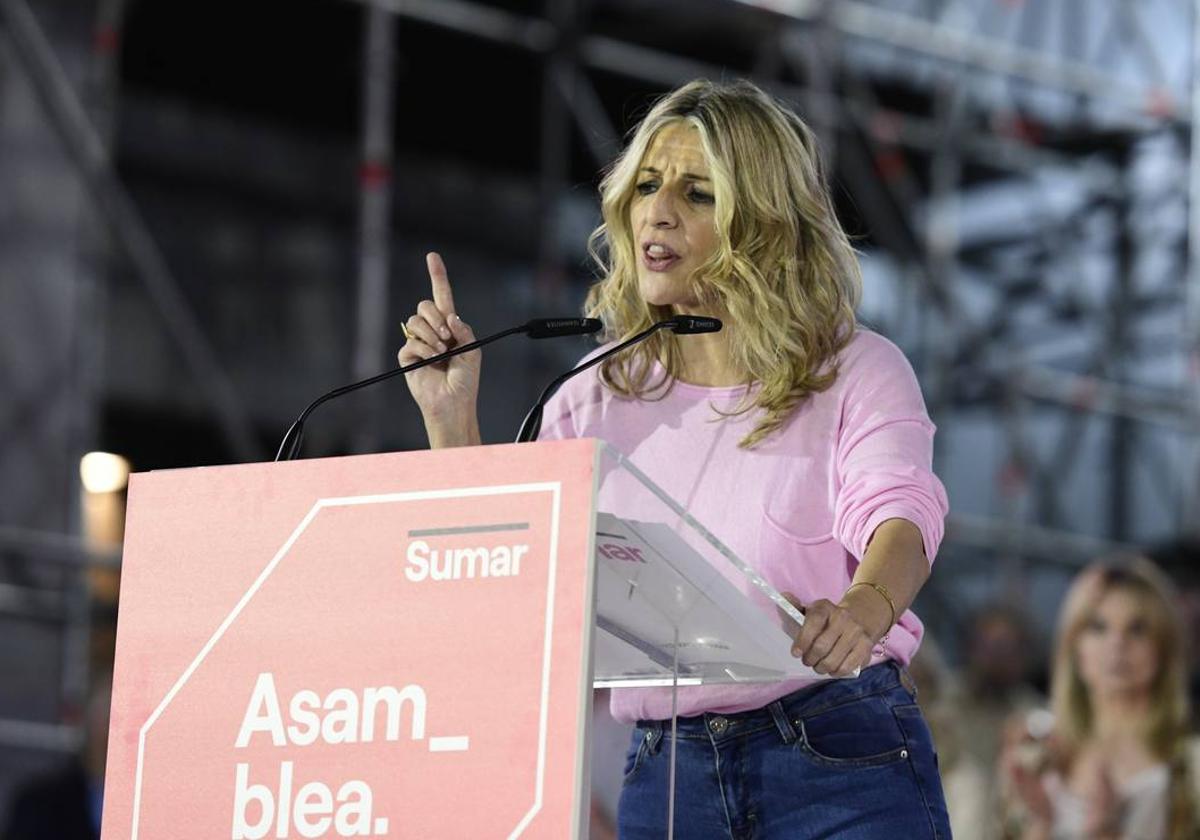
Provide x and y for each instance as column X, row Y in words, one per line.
column 717, row 725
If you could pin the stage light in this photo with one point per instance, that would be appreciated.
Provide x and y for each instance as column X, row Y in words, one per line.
column 103, row 472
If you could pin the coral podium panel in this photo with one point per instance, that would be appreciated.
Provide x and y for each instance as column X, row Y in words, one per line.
column 380, row 646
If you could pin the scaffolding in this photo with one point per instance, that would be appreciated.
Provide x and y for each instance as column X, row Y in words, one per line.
column 998, row 103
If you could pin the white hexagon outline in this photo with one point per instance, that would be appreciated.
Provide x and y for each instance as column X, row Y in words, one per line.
column 553, row 487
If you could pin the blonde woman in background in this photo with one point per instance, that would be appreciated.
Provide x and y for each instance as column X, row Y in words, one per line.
column 1118, row 761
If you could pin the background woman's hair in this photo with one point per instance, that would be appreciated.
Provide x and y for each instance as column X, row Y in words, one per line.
column 783, row 269
column 1165, row 731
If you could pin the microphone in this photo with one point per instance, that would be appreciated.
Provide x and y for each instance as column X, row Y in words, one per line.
column 693, row 324
column 559, row 327
column 680, row 325
column 289, row 447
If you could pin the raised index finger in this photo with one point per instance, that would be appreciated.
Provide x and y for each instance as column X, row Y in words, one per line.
column 443, row 298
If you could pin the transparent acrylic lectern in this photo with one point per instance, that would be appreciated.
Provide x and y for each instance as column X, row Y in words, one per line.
column 674, row 605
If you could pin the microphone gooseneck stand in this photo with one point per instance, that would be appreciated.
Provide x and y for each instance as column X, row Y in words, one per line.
column 680, row 325
column 289, row 447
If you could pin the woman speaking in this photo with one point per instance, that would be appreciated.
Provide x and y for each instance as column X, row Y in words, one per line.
column 799, row 439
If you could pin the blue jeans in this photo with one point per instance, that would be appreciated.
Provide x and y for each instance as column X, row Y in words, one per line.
column 846, row 758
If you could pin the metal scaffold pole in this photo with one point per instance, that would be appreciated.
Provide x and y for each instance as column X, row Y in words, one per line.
column 91, row 287
column 374, row 215
column 1189, row 514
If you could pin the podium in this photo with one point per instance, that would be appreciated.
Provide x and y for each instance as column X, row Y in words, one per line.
column 405, row 645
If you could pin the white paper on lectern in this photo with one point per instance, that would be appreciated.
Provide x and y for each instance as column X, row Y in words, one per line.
column 650, row 585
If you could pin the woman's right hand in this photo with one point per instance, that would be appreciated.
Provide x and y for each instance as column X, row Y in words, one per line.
column 446, row 392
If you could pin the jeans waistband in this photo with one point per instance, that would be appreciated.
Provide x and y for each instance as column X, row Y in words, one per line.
column 781, row 714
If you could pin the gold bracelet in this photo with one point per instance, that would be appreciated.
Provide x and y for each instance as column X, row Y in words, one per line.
column 887, row 596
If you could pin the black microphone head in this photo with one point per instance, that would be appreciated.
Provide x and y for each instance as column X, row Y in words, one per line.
column 558, row 327
column 692, row 324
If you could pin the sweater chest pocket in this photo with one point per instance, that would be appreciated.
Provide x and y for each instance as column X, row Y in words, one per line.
column 798, row 501
column 797, row 549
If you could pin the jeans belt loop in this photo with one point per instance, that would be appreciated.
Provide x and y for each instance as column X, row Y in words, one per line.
column 779, row 715
column 655, row 737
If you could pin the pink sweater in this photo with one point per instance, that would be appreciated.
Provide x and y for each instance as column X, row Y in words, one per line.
column 800, row 506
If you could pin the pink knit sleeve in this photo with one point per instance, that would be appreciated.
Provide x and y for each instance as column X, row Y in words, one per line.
column 884, row 449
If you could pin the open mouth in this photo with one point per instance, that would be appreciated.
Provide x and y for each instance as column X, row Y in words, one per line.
column 658, row 257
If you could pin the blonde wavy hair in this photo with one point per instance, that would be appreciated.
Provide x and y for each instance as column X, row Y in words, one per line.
column 1166, row 729
column 783, row 270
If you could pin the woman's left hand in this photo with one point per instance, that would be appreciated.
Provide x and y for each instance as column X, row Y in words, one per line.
column 833, row 640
